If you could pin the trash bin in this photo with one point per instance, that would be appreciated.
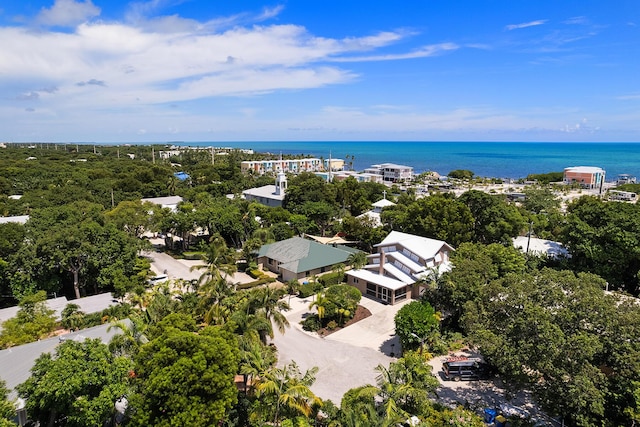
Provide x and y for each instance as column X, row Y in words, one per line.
column 501, row 421
column 489, row 415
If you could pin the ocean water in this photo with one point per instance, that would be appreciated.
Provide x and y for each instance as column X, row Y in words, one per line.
column 487, row 159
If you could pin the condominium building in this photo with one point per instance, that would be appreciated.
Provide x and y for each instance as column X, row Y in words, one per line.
column 586, row 176
column 311, row 164
column 391, row 172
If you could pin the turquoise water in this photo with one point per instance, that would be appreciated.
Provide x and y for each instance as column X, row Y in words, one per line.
column 489, row 159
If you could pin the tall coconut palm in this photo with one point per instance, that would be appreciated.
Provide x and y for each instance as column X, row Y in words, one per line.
column 212, row 301
column 285, row 392
column 217, row 258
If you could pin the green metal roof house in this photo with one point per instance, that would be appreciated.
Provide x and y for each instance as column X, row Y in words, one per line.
column 297, row 258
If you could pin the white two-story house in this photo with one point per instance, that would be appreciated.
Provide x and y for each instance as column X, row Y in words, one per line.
column 396, row 271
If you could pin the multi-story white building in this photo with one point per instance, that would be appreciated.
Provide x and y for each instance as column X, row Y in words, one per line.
column 391, row 172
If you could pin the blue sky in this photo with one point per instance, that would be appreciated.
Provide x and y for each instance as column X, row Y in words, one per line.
column 224, row 70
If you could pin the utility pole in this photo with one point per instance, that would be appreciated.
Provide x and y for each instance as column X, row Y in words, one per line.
column 529, row 235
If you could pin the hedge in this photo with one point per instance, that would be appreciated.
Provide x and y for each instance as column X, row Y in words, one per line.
column 331, row 279
column 193, row 255
column 309, row 289
column 262, row 281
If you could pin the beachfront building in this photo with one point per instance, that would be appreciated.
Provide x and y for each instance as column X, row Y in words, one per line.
column 333, row 164
column 400, row 267
column 625, row 178
column 261, row 167
column 391, row 173
column 298, row 258
column 586, row 176
column 342, row 175
column 269, row 195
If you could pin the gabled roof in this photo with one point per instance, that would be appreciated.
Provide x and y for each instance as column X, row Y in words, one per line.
column 424, row 247
column 383, row 203
column 298, row 255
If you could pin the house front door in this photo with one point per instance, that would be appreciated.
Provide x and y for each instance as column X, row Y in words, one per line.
column 384, row 294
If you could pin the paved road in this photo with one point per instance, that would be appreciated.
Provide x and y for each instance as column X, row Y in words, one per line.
column 342, row 366
column 173, row 268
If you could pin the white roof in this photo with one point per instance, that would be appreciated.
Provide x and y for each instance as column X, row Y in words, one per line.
column 549, row 247
column 383, row 203
column 267, row 192
column 373, row 216
column 369, row 276
column 584, row 169
column 167, row 201
column 424, row 247
column 414, row 266
column 398, row 274
column 20, row 219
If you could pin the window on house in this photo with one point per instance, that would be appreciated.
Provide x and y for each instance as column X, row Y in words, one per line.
column 371, row 289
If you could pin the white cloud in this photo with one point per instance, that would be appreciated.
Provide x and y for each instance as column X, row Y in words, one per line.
column 423, row 52
column 68, row 13
column 526, row 24
column 121, row 65
column 576, row 20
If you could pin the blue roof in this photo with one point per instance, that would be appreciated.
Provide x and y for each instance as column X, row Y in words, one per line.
column 181, row 175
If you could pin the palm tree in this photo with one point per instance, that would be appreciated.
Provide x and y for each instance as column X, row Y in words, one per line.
column 266, row 303
column 255, row 360
column 320, row 304
column 217, row 257
column 357, row 260
column 287, row 389
column 212, row 294
column 132, row 336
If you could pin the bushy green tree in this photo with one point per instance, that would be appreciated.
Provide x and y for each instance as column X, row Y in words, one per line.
column 417, row 324
column 604, row 238
column 560, row 335
column 474, row 266
column 185, row 376
column 494, row 221
column 437, row 217
column 32, row 322
column 7, row 408
column 78, row 386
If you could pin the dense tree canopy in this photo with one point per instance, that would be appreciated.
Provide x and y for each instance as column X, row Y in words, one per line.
column 416, row 325
column 438, row 217
column 78, row 386
column 494, row 221
column 184, row 376
column 604, row 238
column 560, row 335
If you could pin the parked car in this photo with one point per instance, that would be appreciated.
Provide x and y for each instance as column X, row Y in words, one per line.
column 465, row 368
